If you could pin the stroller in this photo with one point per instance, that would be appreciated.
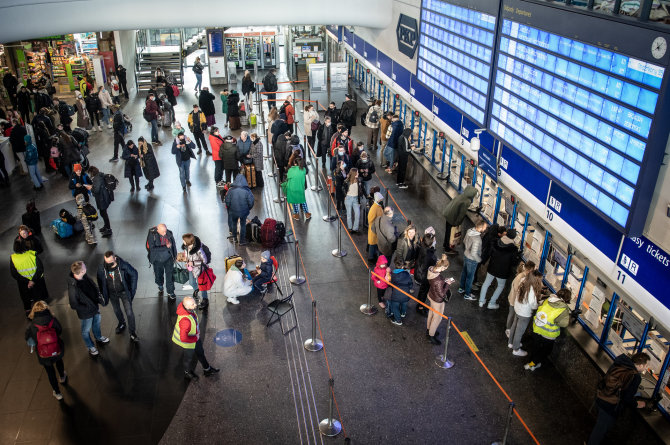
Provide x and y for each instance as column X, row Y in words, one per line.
column 127, row 120
column 168, row 112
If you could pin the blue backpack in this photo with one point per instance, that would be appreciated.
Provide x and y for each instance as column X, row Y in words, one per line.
column 61, row 228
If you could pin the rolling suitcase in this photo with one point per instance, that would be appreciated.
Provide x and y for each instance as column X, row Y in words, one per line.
column 250, row 175
column 230, row 261
column 166, row 120
column 234, row 123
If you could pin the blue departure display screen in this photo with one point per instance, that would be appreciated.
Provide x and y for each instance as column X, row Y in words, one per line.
column 582, row 114
column 455, row 55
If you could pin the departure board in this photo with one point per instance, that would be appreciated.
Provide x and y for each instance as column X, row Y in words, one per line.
column 580, row 112
column 455, row 53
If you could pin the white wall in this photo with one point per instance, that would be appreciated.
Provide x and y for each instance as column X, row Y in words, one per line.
column 658, row 222
column 125, row 53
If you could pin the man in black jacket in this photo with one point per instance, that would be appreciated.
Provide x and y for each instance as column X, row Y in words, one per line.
column 348, row 112
column 11, row 83
column 117, row 281
column 270, row 86
column 279, row 127
column 162, row 254
column 84, row 298
column 282, row 153
column 489, row 239
column 504, row 259
column 121, row 75
column 617, row 390
column 119, row 127
column 324, row 134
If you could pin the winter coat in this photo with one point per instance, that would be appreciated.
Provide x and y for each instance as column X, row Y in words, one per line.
column 198, row 67
column 86, row 305
column 308, row 117
column 386, row 235
column 103, row 196
column 337, row 159
column 83, row 120
column 365, row 169
column 243, row 148
column 473, row 245
column 31, row 156
column 278, row 128
column 514, row 287
column 489, row 240
column 369, row 124
column 177, row 150
column 132, row 167
column 295, row 188
column 43, row 318
column 152, row 109
column 69, row 152
column 324, row 135
column 234, row 284
column 224, row 103
column 229, row 154
column 64, row 114
column 334, row 115
column 270, row 82
column 504, row 258
column 157, row 251
column 169, row 94
column 425, row 259
column 148, row 161
column 17, row 138
column 196, row 256
column 281, row 150
column 248, row 85
column 31, row 242
column 206, row 102
column 197, row 123
column 438, row 287
column 233, row 104
column 105, row 99
column 93, row 103
column 407, row 250
column 628, row 390
column 380, row 272
column 455, row 211
column 348, row 112
column 526, row 309
column 257, row 154
column 118, row 123
column 404, row 146
column 290, row 113
column 239, row 199
column 375, row 212
column 83, row 179
column 23, row 101
column 396, row 132
column 383, row 127
column 216, row 142
column 347, row 143
column 128, row 278
column 403, row 280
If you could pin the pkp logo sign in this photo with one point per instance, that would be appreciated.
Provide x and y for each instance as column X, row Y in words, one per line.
column 407, row 33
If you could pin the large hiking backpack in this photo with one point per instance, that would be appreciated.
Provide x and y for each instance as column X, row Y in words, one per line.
column 272, row 233
column 90, row 212
column 47, row 341
column 152, row 232
column 207, row 252
column 81, row 136
column 62, row 229
column 614, row 381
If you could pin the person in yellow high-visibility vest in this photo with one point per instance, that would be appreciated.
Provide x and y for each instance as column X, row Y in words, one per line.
column 187, row 335
column 552, row 315
column 27, row 269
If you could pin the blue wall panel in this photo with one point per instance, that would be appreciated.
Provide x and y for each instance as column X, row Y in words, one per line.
column 384, row 63
column 447, row 114
column 524, row 173
column 402, row 76
column 371, row 52
column 421, row 93
column 359, row 44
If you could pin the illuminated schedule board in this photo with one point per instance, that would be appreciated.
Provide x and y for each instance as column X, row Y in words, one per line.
column 580, row 97
column 456, row 44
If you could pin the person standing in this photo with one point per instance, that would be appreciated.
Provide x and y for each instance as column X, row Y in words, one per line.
column 206, row 102
column 44, row 333
column 197, row 70
column 376, row 211
column 438, row 295
column 366, row 168
column 279, row 126
column 295, row 187
column 372, row 121
column 525, row 302
column 105, row 105
column 148, row 162
column 80, row 183
column 196, row 262
column 348, row 112
column 11, row 83
column 522, row 272
column 24, row 103
column 63, row 113
column 248, row 88
column 282, row 154
column 616, row 391
column 103, row 198
column 151, row 113
column 94, row 107
column 216, row 142
column 84, row 298
column 182, row 148
column 552, row 315
column 454, row 214
column 17, row 141
column 310, row 116
column 26, row 240
column 270, row 86
column 425, row 259
column 31, row 158
column 397, row 128
column 162, row 255
column 117, row 280
column 403, row 149
column 502, row 265
column 257, row 156
column 197, row 123
column 186, row 335
column 334, row 114
column 119, row 131
column 381, row 276
column 234, row 110
column 472, row 256
column 83, row 118
column 352, row 192
column 224, row 106
column 132, row 169
column 122, row 79
column 324, row 135
column 230, row 158
column 387, row 233
column 239, row 202
column 28, row 271
column 115, row 89
column 402, row 284
column 289, row 111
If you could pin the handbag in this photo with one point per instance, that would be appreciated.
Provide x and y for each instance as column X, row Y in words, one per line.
column 179, row 274
column 206, row 278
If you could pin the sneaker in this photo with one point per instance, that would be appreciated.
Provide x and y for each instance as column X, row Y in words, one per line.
column 188, row 183
column 461, row 290
column 296, row 217
column 63, row 378
column 160, row 291
column 233, row 301
column 120, row 327
column 519, row 353
column 204, row 304
column 93, row 351
column 134, row 337
column 493, row 306
column 403, row 186
column 471, row 298
column 210, row 371
column 481, row 303
column 172, row 298
column 507, row 332
column 57, row 395
column 403, row 315
column 99, row 128
column 114, row 159
column 395, row 322
column 382, row 305
column 308, row 216
column 187, row 287
column 103, row 340
column 434, row 340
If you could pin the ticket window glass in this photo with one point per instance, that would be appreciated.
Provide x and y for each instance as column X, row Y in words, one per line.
column 555, row 265
column 533, row 240
column 505, row 212
column 595, row 304
column 657, row 376
column 269, row 52
column 233, row 50
column 575, row 277
column 252, row 51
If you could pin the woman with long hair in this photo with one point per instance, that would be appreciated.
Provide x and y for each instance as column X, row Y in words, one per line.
column 352, row 190
column 248, row 88
column 525, row 304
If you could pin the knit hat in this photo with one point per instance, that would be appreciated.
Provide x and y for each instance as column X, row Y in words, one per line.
column 430, row 230
column 76, row 167
column 295, row 139
column 511, row 233
column 379, row 197
column 266, row 255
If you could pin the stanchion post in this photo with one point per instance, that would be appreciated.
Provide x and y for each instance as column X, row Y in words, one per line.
column 369, row 308
column 442, row 360
column 297, row 278
column 330, row 427
column 317, row 184
column 313, row 344
column 510, row 414
column 339, row 253
column 329, row 217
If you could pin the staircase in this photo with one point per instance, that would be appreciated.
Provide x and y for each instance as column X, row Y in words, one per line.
column 149, row 58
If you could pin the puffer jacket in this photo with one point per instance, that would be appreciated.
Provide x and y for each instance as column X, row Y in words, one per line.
column 504, row 258
column 84, row 304
column 403, row 280
column 229, row 154
column 439, row 288
column 425, row 259
column 473, row 245
column 196, row 256
column 380, row 272
column 239, row 199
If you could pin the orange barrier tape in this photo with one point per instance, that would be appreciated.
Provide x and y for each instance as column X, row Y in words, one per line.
column 286, row 81
column 282, row 92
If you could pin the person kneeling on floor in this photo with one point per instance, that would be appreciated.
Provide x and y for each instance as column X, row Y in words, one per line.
column 235, row 284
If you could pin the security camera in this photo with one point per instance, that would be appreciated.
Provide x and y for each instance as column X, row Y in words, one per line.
column 479, row 131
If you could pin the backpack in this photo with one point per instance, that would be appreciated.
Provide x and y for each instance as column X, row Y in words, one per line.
column 115, row 87
column 254, row 230
column 47, row 341
column 346, row 114
column 71, row 110
column 62, row 229
column 90, row 212
column 613, row 382
column 282, row 109
column 175, row 90
column 374, row 117
column 110, row 182
column 67, row 217
column 207, row 252
column 147, row 117
column 314, row 126
column 272, row 233
column 152, row 232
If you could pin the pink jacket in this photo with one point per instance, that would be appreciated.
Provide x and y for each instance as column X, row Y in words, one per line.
column 380, row 272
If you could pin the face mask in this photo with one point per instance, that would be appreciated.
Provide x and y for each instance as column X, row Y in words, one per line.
column 341, row 152
column 153, row 98
column 182, row 140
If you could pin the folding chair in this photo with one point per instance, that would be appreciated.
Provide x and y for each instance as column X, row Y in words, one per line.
column 279, row 308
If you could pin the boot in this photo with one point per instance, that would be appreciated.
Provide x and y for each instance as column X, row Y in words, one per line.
column 434, row 340
column 204, row 304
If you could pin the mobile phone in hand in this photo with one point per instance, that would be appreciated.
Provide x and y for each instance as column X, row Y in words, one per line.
column 450, row 280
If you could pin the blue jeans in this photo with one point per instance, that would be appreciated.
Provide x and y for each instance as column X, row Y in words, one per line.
column 154, row 130
column 485, row 288
column 185, row 172
column 35, row 175
column 468, row 275
column 232, row 226
column 398, row 309
column 389, row 153
column 198, row 83
column 86, row 325
column 105, row 116
column 372, row 251
column 194, row 282
column 351, row 203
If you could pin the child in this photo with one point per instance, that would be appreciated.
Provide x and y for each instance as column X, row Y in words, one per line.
column 177, row 129
column 263, row 273
column 381, row 271
column 403, row 283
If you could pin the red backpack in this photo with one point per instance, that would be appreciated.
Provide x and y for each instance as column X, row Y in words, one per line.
column 175, row 90
column 47, row 341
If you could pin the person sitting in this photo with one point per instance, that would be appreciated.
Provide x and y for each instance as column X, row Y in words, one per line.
column 263, row 272
column 235, row 284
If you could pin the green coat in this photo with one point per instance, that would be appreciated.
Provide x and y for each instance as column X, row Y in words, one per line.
column 455, row 211
column 224, row 103
column 295, row 185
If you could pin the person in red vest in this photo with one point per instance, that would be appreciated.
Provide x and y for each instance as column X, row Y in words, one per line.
column 187, row 335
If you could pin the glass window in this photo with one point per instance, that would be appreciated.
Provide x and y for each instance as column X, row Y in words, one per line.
column 605, row 203
column 609, row 183
column 619, row 214
column 630, row 171
column 625, row 193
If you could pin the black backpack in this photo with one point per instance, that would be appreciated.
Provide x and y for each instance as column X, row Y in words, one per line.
column 110, row 182
column 374, row 117
column 207, row 252
column 282, row 109
column 152, row 233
